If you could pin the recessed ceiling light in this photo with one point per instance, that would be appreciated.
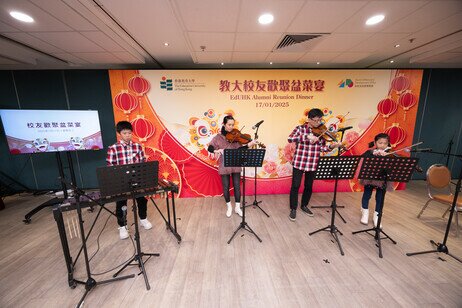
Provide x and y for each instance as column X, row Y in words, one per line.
column 375, row 20
column 318, row 63
column 21, row 16
column 271, row 62
column 166, row 44
column 397, row 45
column 222, row 63
column 391, row 61
column 265, row 19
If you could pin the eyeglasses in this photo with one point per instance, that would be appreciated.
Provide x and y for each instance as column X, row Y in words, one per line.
column 316, row 120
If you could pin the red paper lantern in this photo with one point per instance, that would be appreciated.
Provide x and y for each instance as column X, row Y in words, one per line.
column 396, row 133
column 386, row 108
column 400, row 84
column 139, row 85
column 407, row 101
column 142, row 128
column 125, row 102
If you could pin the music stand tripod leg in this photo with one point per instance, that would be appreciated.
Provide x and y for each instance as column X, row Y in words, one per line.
column 235, row 232
column 256, row 204
column 340, row 215
column 138, row 258
column 253, row 232
column 336, row 238
column 319, row 230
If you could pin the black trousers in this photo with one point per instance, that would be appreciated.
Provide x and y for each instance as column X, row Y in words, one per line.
column 142, row 204
column 236, row 184
column 307, row 189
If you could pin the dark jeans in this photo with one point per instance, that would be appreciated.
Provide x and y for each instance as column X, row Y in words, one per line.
column 142, row 210
column 236, row 184
column 367, row 195
column 307, row 189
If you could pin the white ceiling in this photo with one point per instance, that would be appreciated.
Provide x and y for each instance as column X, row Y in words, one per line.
column 205, row 33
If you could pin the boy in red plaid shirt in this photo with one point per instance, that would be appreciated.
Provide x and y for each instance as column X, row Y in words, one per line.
column 122, row 153
column 306, row 157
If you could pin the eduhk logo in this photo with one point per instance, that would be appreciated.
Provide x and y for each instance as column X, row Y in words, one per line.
column 166, row 84
column 347, row 83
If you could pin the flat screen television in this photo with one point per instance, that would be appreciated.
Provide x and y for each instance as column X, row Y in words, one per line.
column 40, row 131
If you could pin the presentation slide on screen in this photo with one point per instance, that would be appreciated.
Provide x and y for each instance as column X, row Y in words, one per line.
column 38, row 131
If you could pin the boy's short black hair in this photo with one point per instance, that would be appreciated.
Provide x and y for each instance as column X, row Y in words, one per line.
column 379, row 136
column 123, row 125
column 315, row 113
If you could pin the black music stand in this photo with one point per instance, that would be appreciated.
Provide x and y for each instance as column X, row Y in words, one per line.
column 243, row 158
column 442, row 247
column 91, row 282
column 338, row 206
column 131, row 178
column 386, row 169
column 336, row 167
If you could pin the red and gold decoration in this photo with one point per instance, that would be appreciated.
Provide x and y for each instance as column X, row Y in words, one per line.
column 400, row 83
column 143, row 129
column 386, row 108
column 126, row 102
column 140, row 86
column 402, row 87
column 397, row 134
column 190, row 166
column 407, row 100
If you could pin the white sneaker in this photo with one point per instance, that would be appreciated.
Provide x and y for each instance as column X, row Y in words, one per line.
column 146, row 224
column 237, row 209
column 229, row 211
column 376, row 219
column 364, row 216
column 123, row 232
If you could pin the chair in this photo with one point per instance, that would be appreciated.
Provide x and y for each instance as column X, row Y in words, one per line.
column 439, row 189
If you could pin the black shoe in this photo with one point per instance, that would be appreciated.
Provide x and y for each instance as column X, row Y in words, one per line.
column 307, row 211
column 293, row 215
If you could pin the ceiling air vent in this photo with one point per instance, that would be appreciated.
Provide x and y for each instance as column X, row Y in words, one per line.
column 292, row 39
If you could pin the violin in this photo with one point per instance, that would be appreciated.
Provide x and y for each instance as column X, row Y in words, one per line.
column 236, row 136
column 323, row 132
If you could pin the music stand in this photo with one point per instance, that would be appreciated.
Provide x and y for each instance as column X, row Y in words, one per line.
column 338, row 206
column 243, row 158
column 131, row 178
column 336, row 167
column 385, row 168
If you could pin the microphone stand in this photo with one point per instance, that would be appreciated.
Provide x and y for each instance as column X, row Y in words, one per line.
column 442, row 247
column 255, row 202
column 448, row 150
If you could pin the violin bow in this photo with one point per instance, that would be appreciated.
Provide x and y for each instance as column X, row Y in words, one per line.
column 405, row 148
